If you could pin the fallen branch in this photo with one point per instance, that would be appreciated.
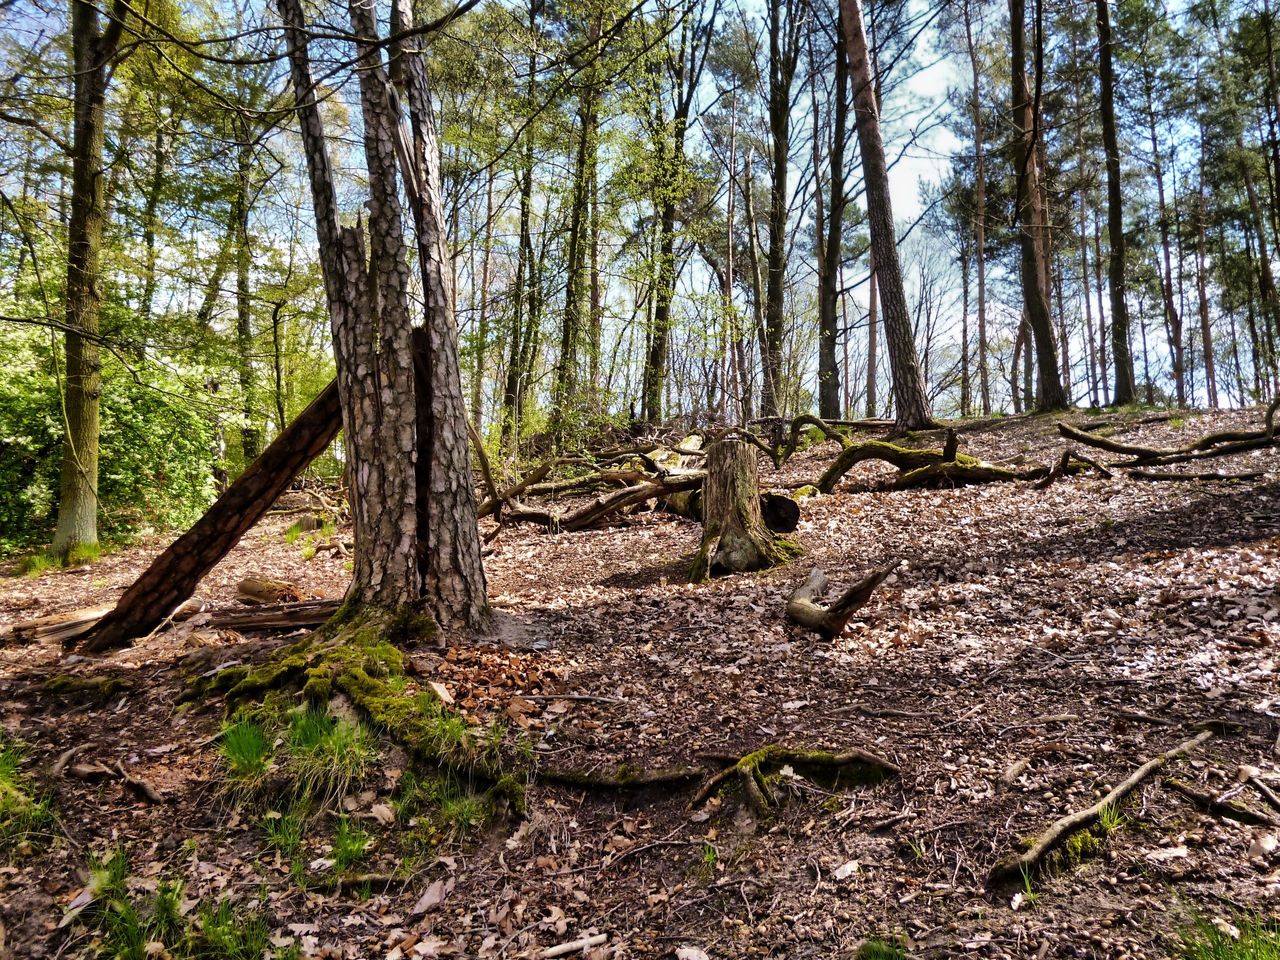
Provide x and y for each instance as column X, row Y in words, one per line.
column 1230, row 809
column 830, row 621
column 606, row 505
column 573, row 946
column 1013, row 869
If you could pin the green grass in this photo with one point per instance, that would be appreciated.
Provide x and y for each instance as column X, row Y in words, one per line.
column 26, row 820
column 1258, row 939
column 328, row 756
column 350, row 844
column 246, row 748
column 1110, row 819
column 292, row 534
column 875, row 949
column 36, row 565
column 132, row 927
column 284, row 831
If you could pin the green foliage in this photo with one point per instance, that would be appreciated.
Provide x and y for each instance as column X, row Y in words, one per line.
column 1252, row 938
column 875, row 949
column 26, row 821
column 246, row 748
column 327, row 756
column 154, row 463
column 130, row 927
column 350, row 844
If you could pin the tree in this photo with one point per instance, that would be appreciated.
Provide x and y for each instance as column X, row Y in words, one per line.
column 94, row 47
column 1121, row 355
column 911, row 402
column 1050, row 394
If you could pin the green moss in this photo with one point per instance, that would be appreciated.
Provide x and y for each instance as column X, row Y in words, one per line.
column 26, row 820
column 97, row 689
column 803, row 493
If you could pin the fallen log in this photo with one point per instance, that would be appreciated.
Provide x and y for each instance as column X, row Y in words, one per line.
column 65, row 627
column 830, row 621
column 604, row 506
column 1014, row 869
column 174, row 575
column 259, row 590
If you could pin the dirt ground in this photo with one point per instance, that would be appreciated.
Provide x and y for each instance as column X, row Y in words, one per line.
column 1033, row 649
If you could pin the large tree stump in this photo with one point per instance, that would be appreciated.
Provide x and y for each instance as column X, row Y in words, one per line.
column 735, row 538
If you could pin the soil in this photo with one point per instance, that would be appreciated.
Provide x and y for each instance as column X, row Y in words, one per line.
column 1033, row 649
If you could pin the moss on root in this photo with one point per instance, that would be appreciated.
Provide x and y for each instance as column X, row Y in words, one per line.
column 96, row 689
column 357, row 655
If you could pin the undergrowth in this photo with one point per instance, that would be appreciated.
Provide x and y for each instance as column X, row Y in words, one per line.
column 26, row 820
column 125, row 925
column 1242, row 938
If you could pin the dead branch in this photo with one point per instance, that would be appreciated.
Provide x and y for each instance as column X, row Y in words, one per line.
column 830, row 621
column 808, row 420
column 607, row 505
column 837, row 769
column 1229, row 809
column 1013, row 869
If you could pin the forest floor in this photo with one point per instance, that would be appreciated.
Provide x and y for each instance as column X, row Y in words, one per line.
column 1033, row 649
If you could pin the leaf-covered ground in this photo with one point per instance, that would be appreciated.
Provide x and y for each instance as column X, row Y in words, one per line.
column 1032, row 650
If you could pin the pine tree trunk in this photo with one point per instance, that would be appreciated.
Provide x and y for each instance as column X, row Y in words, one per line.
column 174, row 575
column 911, row 402
column 735, row 538
column 829, row 406
column 980, row 208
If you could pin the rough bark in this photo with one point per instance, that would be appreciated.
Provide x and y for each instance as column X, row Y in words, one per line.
column 174, row 575
column 911, row 403
column 452, row 572
column 980, row 206
column 831, row 246
column 735, row 538
column 1125, row 390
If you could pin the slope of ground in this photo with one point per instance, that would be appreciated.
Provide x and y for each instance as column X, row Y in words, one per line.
column 1033, row 649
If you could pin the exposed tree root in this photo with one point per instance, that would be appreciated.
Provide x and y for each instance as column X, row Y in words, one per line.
column 1013, row 869
column 830, row 621
column 754, row 771
column 621, row 778
column 1229, row 809
column 1222, row 444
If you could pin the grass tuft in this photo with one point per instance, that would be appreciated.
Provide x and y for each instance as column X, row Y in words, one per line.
column 327, row 756
column 350, row 844
column 1242, row 938
column 875, row 949
column 246, row 747
column 25, row 819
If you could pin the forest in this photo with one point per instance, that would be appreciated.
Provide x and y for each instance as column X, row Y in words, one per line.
column 682, row 479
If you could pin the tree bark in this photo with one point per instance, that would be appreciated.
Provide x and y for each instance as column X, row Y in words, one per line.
column 92, row 52
column 174, row 575
column 1125, row 390
column 831, row 247
column 911, row 403
column 735, row 538
column 1050, row 394
column 980, row 206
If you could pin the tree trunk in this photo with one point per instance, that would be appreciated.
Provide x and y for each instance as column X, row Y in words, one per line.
column 735, row 538
column 174, row 575
column 830, row 247
column 1031, row 215
column 1202, row 292
column 1172, row 319
column 873, row 334
column 980, row 207
column 1122, row 357
column 92, row 50
column 449, row 564
column 911, row 403
column 250, row 435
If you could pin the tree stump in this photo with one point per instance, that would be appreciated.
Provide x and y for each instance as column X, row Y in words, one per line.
column 735, row 538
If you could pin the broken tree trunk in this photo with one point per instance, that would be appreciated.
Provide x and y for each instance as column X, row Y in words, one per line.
column 830, row 621
column 174, row 575
column 735, row 538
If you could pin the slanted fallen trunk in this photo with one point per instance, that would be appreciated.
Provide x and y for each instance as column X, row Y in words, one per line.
column 174, row 575
column 735, row 538
column 831, row 621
